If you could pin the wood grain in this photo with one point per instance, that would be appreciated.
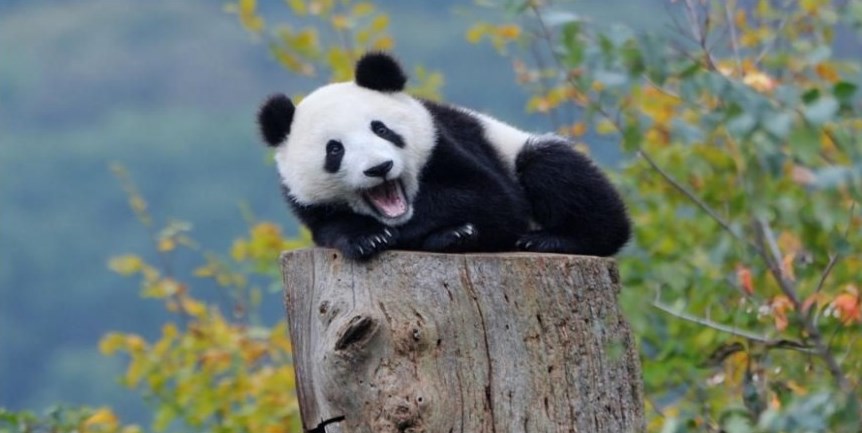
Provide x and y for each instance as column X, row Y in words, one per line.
column 421, row 342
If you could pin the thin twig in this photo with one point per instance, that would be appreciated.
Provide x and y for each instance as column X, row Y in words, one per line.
column 734, row 43
column 732, row 330
column 699, row 33
column 833, row 258
column 694, row 198
column 788, row 288
column 748, row 335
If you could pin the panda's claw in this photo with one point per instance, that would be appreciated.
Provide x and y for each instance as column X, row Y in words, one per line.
column 365, row 246
column 461, row 238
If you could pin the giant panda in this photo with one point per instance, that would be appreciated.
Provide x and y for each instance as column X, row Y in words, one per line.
column 367, row 168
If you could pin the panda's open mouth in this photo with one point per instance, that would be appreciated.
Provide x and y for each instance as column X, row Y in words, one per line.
column 387, row 199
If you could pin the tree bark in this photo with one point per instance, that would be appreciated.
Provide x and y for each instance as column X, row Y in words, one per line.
column 478, row 343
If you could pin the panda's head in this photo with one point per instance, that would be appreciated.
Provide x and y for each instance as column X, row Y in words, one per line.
column 361, row 143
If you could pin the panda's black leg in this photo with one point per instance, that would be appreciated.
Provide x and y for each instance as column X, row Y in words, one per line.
column 456, row 239
column 577, row 208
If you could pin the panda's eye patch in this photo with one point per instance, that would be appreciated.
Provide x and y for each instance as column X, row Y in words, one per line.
column 381, row 130
column 334, row 147
column 334, row 154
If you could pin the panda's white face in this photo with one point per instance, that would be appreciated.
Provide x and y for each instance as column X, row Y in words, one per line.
column 361, row 147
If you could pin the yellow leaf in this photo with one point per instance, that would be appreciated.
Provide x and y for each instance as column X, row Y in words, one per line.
column 739, row 19
column 206, row 271
column 787, row 266
column 110, row 343
column 384, row 44
column 362, row 9
column 509, row 31
column 759, row 81
column 810, row 6
column 606, row 127
column 126, row 265
column 166, row 244
column 475, row 33
column 193, row 307
column 104, row 418
column 340, row 22
column 162, row 288
column 298, row 7
column 135, row 343
column 380, row 23
column 538, row 104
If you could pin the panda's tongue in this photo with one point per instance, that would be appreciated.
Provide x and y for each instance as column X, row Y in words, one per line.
column 388, row 199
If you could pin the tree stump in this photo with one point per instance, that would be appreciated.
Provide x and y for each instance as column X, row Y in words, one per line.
column 478, row 343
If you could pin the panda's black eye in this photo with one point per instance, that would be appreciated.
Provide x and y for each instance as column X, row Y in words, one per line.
column 334, row 147
column 334, row 154
column 379, row 128
column 382, row 131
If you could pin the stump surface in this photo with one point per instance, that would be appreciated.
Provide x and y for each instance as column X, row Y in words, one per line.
column 421, row 342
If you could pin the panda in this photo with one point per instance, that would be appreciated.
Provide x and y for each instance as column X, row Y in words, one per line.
column 367, row 168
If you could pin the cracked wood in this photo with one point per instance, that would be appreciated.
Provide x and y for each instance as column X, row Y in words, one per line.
column 484, row 343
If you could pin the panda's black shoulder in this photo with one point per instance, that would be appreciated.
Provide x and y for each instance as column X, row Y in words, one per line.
column 461, row 141
column 456, row 122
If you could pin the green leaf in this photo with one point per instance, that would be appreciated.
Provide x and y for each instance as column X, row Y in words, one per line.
column 741, row 125
column 632, row 136
column 822, row 110
column 804, row 142
column 810, row 96
column 778, row 124
column 844, row 91
column 572, row 45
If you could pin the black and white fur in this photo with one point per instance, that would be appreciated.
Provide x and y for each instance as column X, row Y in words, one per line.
column 367, row 168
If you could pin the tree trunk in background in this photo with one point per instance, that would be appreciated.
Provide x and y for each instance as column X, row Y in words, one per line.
column 419, row 342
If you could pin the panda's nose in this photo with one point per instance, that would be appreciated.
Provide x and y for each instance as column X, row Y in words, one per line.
column 379, row 170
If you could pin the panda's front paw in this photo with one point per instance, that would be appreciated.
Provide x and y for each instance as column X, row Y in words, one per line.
column 452, row 239
column 544, row 242
column 366, row 246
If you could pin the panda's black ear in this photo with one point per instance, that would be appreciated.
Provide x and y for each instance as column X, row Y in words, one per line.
column 380, row 72
column 274, row 119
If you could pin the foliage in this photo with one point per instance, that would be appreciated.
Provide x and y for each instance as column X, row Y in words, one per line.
column 64, row 420
column 336, row 34
column 744, row 177
column 209, row 370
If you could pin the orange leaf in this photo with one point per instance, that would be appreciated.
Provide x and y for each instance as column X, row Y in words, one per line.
column 847, row 306
column 780, row 305
column 743, row 277
column 827, row 72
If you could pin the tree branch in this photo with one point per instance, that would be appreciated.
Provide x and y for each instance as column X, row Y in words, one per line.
column 732, row 330
column 774, row 262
